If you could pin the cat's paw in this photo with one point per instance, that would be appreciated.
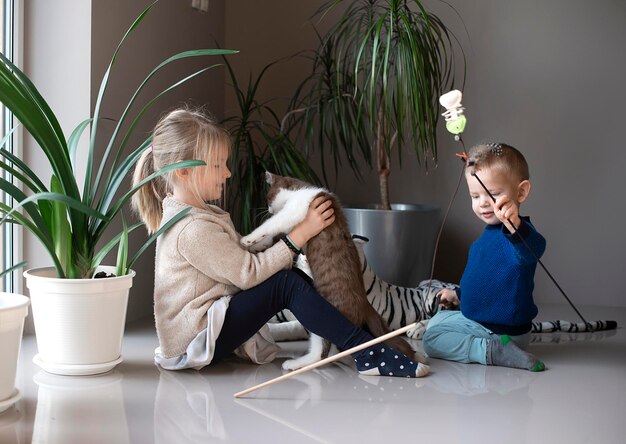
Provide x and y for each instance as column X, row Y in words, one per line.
column 302, row 361
column 249, row 240
column 254, row 242
column 256, row 248
column 418, row 331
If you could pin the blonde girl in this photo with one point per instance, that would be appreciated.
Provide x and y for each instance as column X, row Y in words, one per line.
column 212, row 297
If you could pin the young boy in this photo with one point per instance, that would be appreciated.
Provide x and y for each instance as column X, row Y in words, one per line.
column 495, row 296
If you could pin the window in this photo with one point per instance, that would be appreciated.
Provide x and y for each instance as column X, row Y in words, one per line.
column 10, row 14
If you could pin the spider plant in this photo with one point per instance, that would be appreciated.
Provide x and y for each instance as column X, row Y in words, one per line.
column 68, row 218
column 377, row 75
column 259, row 145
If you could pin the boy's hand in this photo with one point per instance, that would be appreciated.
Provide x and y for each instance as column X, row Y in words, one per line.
column 507, row 210
column 448, row 298
column 319, row 216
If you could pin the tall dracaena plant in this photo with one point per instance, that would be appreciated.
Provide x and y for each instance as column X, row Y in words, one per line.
column 68, row 223
column 377, row 76
column 259, row 145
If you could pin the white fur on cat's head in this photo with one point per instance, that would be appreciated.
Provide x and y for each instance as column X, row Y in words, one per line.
column 281, row 198
column 279, row 201
column 304, row 196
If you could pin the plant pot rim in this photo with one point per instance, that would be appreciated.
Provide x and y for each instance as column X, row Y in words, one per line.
column 5, row 404
column 17, row 301
column 394, row 207
column 50, row 273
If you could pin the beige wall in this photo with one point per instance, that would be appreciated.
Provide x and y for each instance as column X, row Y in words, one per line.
column 266, row 31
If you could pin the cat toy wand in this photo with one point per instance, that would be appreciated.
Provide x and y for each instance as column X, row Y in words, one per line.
column 455, row 124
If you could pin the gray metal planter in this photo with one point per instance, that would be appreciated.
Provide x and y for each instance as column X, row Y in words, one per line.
column 401, row 240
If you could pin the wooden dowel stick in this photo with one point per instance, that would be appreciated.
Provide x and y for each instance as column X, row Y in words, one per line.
column 328, row 360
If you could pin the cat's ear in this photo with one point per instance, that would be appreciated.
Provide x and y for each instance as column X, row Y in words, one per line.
column 269, row 177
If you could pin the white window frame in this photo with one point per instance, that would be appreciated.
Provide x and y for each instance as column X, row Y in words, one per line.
column 12, row 234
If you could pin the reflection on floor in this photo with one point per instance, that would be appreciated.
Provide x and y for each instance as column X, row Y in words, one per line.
column 580, row 398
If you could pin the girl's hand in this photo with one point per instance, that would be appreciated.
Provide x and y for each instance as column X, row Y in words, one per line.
column 507, row 210
column 448, row 298
column 319, row 216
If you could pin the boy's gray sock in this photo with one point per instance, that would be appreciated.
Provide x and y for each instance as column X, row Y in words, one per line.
column 505, row 353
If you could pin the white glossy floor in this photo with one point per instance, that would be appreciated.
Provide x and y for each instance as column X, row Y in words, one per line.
column 581, row 398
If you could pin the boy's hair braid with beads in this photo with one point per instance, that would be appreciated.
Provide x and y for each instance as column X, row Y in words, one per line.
column 498, row 156
column 182, row 134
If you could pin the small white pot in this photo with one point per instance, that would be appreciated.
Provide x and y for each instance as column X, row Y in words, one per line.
column 13, row 310
column 79, row 323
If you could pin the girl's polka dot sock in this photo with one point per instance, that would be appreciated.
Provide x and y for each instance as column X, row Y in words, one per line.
column 383, row 360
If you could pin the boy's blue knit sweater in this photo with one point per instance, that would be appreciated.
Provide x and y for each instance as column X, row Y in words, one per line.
column 497, row 284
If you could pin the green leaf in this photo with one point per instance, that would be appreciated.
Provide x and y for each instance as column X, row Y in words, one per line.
column 122, row 251
column 31, row 209
column 60, row 227
column 21, row 97
column 39, row 231
column 32, row 180
column 72, row 142
column 27, row 203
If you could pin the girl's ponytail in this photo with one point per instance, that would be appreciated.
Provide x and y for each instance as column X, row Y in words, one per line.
column 147, row 201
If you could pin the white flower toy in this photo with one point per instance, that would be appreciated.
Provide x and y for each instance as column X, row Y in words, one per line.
column 455, row 118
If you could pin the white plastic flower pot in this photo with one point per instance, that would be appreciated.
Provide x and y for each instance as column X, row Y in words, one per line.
column 13, row 310
column 79, row 323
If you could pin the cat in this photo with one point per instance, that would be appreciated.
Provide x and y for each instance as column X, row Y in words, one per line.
column 332, row 257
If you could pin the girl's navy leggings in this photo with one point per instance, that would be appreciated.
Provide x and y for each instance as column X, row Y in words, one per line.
column 250, row 309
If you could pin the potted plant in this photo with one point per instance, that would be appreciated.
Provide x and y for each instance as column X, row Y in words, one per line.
column 377, row 75
column 79, row 321
column 260, row 144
